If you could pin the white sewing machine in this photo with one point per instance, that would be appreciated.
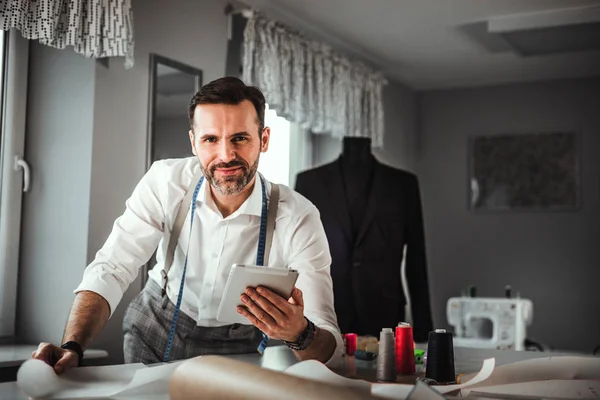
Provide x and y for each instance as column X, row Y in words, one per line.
column 488, row 322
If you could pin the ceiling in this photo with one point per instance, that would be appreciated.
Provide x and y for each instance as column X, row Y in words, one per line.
column 433, row 44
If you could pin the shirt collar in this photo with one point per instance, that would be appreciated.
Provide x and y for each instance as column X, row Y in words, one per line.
column 251, row 206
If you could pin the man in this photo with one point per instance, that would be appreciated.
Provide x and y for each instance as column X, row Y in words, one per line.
column 227, row 135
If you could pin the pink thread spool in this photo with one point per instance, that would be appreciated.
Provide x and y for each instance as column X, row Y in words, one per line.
column 351, row 342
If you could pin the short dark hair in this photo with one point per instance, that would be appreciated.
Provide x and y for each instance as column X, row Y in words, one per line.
column 232, row 91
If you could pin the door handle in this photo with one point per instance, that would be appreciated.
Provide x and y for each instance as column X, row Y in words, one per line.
column 22, row 164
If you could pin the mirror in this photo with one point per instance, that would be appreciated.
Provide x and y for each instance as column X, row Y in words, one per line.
column 172, row 85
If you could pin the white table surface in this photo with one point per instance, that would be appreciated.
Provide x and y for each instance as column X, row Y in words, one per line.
column 279, row 358
column 15, row 355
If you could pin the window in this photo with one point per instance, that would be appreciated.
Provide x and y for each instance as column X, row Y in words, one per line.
column 275, row 163
column 289, row 150
column 2, row 62
column 14, row 51
column 7, row 303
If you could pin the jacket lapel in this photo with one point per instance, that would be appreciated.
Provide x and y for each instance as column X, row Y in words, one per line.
column 335, row 185
column 378, row 188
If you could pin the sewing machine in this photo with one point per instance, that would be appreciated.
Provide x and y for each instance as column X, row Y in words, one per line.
column 488, row 322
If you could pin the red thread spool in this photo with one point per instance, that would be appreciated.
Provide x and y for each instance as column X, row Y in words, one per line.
column 351, row 342
column 405, row 350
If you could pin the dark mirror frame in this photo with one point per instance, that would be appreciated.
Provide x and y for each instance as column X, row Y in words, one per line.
column 155, row 60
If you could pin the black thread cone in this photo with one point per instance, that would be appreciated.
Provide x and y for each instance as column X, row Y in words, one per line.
column 440, row 357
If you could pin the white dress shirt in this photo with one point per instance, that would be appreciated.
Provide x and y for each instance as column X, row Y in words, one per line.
column 216, row 243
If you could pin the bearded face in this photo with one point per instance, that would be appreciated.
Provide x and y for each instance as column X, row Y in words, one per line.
column 232, row 177
column 227, row 142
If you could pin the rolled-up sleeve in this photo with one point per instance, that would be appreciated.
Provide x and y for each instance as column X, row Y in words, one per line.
column 311, row 257
column 134, row 238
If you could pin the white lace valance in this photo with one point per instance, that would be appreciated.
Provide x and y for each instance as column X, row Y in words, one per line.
column 309, row 83
column 95, row 28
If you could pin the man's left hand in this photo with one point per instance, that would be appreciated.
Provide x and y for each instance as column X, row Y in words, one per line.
column 277, row 317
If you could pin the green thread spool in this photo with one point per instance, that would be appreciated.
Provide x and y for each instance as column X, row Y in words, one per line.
column 419, row 356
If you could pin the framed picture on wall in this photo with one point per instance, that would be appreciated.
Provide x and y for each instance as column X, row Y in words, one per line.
column 534, row 171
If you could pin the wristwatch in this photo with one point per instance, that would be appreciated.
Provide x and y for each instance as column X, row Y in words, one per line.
column 76, row 348
column 305, row 338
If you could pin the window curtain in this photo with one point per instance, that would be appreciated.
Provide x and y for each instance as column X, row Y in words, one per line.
column 95, row 28
column 309, row 83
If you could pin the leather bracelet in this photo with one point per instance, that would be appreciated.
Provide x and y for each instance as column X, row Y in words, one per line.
column 305, row 338
column 76, row 347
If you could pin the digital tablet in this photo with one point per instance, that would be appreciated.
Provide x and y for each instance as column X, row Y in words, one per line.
column 241, row 277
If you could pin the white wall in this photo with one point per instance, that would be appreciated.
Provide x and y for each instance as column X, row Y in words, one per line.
column 551, row 258
column 55, row 212
column 191, row 32
column 400, row 143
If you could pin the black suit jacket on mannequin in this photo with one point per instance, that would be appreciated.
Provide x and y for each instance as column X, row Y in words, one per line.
column 366, row 269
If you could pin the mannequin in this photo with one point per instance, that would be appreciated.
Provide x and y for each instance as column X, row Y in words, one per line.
column 370, row 212
column 357, row 149
column 357, row 171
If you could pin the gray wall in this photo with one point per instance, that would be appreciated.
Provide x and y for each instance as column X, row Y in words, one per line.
column 400, row 143
column 191, row 32
column 55, row 211
column 550, row 258
column 86, row 142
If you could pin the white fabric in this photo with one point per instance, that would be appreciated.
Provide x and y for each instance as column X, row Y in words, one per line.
column 95, row 28
column 299, row 242
column 38, row 380
column 308, row 83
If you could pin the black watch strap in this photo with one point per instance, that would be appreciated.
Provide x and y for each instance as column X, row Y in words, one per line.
column 75, row 347
column 305, row 338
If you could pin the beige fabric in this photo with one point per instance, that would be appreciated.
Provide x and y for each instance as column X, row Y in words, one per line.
column 220, row 378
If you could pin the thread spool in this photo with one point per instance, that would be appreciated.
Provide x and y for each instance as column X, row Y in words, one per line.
column 386, row 360
column 404, row 349
column 351, row 343
column 472, row 291
column 440, row 357
column 419, row 357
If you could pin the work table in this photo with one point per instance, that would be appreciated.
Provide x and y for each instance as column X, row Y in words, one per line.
column 279, row 358
column 15, row 355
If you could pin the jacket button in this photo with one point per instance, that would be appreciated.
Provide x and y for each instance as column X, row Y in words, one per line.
column 356, row 264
